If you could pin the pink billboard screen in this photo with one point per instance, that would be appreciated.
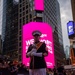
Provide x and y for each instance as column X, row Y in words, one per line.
column 39, row 5
column 46, row 37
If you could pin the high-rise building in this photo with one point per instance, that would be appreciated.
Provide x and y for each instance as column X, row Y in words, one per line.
column 1, row 14
column 0, row 45
column 10, row 28
column 72, row 39
column 73, row 9
column 1, row 11
column 52, row 16
column 19, row 13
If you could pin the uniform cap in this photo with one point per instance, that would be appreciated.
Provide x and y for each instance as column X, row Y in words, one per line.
column 36, row 32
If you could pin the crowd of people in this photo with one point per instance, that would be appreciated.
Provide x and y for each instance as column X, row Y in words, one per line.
column 12, row 68
column 36, row 52
column 20, row 69
column 60, row 71
column 56, row 71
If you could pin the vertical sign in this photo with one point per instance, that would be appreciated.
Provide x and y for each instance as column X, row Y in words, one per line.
column 39, row 5
column 70, row 27
column 46, row 37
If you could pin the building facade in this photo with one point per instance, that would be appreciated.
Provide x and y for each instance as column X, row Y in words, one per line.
column 1, row 1
column 23, row 13
column 72, row 39
column 52, row 16
column 10, row 28
column 73, row 9
column 0, row 45
column 1, row 11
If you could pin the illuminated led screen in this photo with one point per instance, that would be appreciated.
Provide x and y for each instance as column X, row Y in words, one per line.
column 39, row 5
column 46, row 37
column 70, row 27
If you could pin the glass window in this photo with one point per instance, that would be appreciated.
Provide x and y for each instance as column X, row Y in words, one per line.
column 23, row 18
column 20, row 20
column 23, row 13
column 20, row 32
column 20, row 44
column 20, row 38
column 20, row 5
column 23, row 8
column 26, row 11
column 26, row 17
column 26, row 6
column 20, row 15
column 20, row 1
column 20, row 10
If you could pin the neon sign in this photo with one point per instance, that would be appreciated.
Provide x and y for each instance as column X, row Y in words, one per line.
column 46, row 37
column 39, row 5
column 70, row 27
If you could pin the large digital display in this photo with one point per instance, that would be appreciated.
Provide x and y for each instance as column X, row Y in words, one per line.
column 70, row 27
column 46, row 37
column 39, row 5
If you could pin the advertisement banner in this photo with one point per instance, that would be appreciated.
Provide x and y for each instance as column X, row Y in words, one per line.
column 47, row 37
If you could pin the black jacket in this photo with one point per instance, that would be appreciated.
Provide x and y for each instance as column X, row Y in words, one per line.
column 38, row 62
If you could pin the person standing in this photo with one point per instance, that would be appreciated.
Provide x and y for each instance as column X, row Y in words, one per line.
column 37, row 51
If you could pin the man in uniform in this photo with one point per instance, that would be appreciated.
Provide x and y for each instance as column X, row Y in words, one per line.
column 37, row 51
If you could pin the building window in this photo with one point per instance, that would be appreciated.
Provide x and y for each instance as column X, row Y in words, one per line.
column 20, row 38
column 23, row 13
column 20, row 20
column 26, row 11
column 20, row 10
column 20, row 5
column 20, row 1
column 20, row 44
column 20, row 32
column 23, row 18
column 20, row 15
column 26, row 6
column 23, row 3
column 27, row 17
column 30, row 16
column 23, row 8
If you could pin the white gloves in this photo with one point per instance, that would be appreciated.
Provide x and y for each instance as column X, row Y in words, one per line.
column 33, row 53
column 33, row 50
column 36, row 54
column 29, row 53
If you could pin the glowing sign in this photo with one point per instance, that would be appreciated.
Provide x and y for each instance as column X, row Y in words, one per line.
column 70, row 27
column 39, row 5
column 46, row 36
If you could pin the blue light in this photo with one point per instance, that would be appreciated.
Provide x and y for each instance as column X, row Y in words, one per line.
column 70, row 27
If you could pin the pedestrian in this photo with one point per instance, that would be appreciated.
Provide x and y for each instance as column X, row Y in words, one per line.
column 37, row 51
column 55, row 71
column 60, row 69
column 13, row 69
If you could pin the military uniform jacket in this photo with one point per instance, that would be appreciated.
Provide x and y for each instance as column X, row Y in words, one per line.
column 38, row 62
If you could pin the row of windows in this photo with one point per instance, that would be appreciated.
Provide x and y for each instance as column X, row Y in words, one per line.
column 10, row 47
column 23, row 13
column 25, row 19
column 24, row 22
